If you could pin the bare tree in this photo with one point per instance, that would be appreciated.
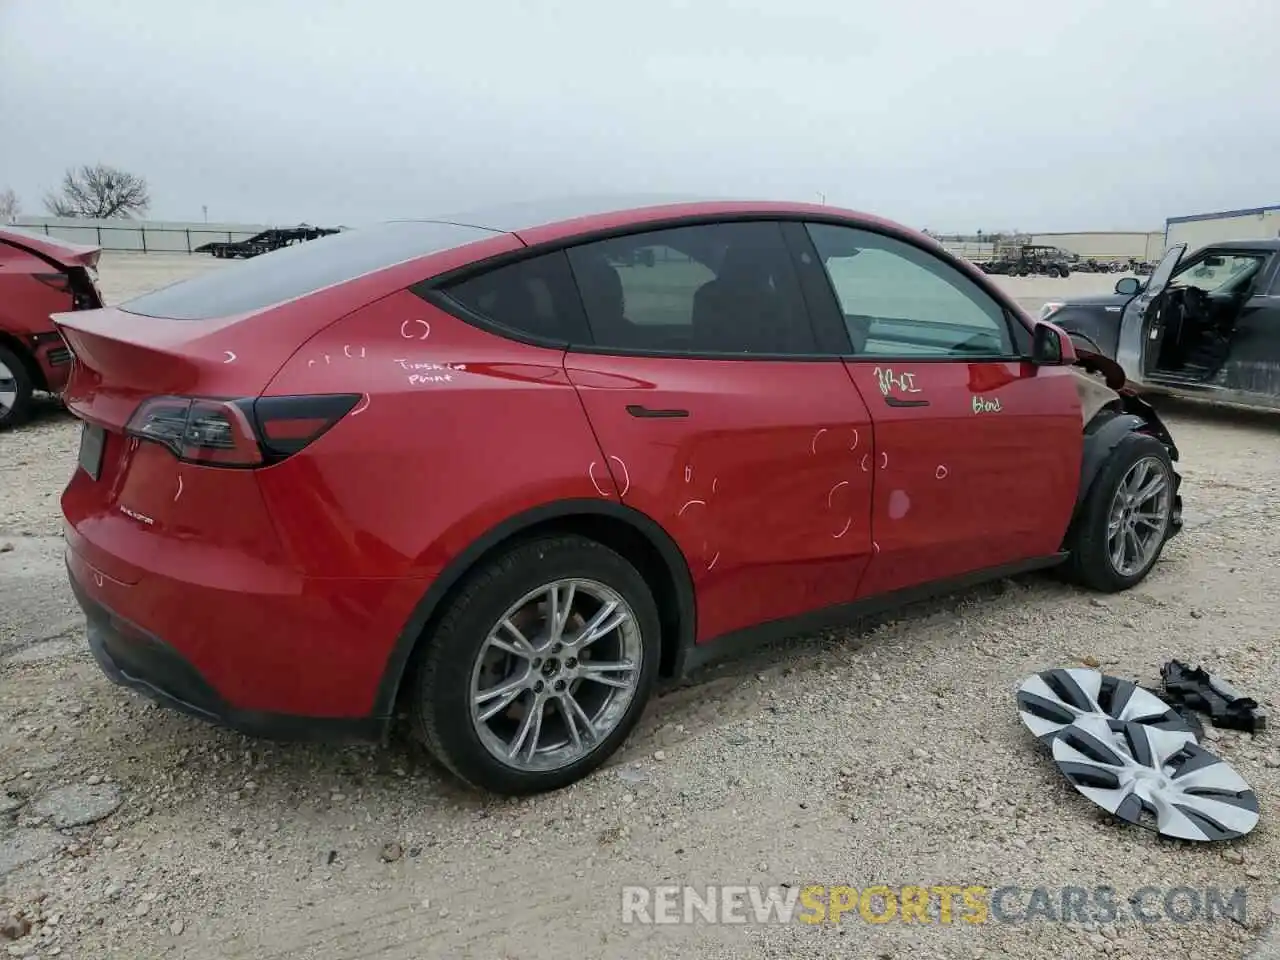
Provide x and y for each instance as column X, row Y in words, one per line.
column 9, row 205
column 99, row 192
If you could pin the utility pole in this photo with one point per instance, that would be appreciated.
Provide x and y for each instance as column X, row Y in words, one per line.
column 205, row 208
column 822, row 198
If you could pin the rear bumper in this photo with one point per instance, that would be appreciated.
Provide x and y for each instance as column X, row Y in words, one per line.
column 134, row 658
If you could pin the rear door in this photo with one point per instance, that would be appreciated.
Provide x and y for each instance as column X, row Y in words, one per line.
column 976, row 459
column 721, row 419
column 1253, row 362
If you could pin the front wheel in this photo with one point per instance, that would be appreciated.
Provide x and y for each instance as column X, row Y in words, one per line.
column 1126, row 517
column 539, row 668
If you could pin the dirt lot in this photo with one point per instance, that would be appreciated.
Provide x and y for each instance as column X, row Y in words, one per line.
column 891, row 755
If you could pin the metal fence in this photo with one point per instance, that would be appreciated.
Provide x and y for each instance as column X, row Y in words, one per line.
column 140, row 236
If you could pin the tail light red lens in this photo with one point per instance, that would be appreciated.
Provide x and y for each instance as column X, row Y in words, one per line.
column 59, row 281
column 237, row 433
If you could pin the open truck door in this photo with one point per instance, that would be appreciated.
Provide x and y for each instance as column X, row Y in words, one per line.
column 1131, row 351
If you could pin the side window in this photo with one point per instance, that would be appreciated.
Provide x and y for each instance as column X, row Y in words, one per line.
column 727, row 288
column 901, row 301
column 534, row 297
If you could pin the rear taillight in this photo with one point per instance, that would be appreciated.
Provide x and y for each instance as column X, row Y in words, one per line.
column 59, row 281
column 237, row 433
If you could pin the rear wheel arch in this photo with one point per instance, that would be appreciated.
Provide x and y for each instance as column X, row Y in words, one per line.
column 630, row 533
column 23, row 353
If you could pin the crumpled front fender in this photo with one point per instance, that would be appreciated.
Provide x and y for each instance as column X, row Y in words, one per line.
column 1103, row 434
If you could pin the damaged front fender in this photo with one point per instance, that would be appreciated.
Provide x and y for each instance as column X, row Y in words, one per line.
column 1110, row 411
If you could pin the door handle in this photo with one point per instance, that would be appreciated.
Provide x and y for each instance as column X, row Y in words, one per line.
column 899, row 402
column 638, row 410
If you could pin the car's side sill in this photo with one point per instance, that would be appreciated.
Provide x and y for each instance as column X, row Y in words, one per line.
column 731, row 644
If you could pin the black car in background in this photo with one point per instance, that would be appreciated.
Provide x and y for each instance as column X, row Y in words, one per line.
column 1205, row 326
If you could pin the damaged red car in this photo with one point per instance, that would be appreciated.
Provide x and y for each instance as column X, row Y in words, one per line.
column 507, row 470
column 39, row 276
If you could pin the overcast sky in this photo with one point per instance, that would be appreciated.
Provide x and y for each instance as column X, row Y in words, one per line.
column 1088, row 114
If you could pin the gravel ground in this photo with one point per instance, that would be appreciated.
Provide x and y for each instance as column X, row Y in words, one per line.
column 887, row 755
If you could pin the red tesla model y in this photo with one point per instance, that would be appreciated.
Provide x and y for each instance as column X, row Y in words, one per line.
column 510, row 469
column 39, row 276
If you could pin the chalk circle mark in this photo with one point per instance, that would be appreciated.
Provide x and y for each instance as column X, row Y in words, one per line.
column 415, row 329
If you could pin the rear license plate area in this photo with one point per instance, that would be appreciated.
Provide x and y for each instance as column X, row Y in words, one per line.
column 92, row 442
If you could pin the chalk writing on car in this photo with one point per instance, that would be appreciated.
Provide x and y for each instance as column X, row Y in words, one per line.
column 888, row 381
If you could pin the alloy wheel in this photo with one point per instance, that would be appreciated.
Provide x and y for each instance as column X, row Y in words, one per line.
column 1139, row 516
column 8, row 388
column 556, row 675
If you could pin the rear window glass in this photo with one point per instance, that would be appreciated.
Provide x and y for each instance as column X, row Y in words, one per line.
column 296, row 271
column 535, row 296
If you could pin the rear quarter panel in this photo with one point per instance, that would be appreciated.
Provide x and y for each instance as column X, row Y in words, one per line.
column 457, row 430
column 25, row 302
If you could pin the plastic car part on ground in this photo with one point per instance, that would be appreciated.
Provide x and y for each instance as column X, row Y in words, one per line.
column 1188, row 715
column 1202, row 691
column 1054, row 699
column 1192, row 794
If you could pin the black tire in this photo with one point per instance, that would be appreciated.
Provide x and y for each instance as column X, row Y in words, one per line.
column 441, row 696
column 20, row 409
column 1090, row 563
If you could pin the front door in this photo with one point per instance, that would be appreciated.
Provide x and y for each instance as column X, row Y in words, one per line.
column 976, row 460
column 1133, row 351
column 1221, row 334
column 720, row 420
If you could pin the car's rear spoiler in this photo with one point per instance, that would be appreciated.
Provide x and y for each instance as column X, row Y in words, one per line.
column 61, row 253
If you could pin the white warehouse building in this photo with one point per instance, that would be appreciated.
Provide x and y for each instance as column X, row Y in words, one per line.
column 1203, row 228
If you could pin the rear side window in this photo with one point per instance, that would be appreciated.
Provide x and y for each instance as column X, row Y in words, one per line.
column 535, row 297
column 295, row 271
column 727, row 288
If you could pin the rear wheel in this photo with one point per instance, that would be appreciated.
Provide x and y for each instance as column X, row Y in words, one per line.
column 15, row 389
column 539, row 668
column 1126, row 517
